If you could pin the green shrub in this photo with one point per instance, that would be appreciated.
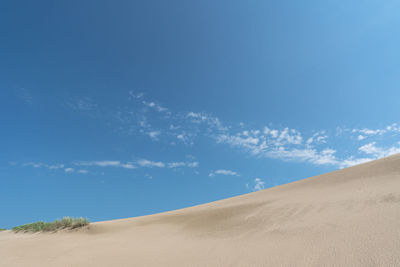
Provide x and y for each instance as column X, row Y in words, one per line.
column 64, row 223
column 3, row 229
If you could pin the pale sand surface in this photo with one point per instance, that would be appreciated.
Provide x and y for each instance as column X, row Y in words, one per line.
column 349, row 217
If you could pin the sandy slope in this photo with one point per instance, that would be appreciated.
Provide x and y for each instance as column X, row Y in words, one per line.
column 349, row 217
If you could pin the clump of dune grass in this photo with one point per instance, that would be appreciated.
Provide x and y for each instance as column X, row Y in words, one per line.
column 64, row 223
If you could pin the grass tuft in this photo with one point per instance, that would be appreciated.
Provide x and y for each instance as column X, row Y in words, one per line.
column 64, row 223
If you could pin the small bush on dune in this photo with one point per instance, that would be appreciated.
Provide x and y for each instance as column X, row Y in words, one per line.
column 64, row 223
column 80, row 222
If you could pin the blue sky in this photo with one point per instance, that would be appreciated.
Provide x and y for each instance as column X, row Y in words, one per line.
column 113, row 109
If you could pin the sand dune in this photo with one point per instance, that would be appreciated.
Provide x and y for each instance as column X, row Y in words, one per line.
column 350, row 217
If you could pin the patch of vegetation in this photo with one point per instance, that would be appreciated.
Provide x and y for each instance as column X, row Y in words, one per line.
column 64, row 223
column 3, row 229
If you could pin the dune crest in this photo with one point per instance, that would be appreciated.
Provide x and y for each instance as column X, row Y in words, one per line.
column 349, row 217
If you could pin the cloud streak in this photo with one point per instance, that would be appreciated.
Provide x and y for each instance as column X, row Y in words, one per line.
column 150, row 164
column 53, row 167
column 223, row 172
column 141, row 163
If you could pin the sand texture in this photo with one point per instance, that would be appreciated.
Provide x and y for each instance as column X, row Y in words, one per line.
column 350, row 217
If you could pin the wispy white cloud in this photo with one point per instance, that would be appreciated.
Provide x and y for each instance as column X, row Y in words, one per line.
column 33, row 164
column 150, row 164
column 371, row 152
column 203, row 118
column 138, row 119
column 366, row 132
column 155, row 106
column 360, row 137
column 371, row 132
column 103, row 163
column 44, row 165
column 379, row 152
column 258, row 184
column 266, row 141
column 176, row 164
column 142, row 163
column 197, row 117
column 289, row 136
column 136, row 95
column 127, row 166
column 324, row 157
column 193, row 164
column 154, row 135
column 54, row 167
column 351, row 161
column 317, row 138
column 106, row 163
column 286, row 143
column 185, row 138
column 223, row 172
column 175, row 127
column 69, row 170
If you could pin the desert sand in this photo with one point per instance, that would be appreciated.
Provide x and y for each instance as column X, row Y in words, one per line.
column 349, row 217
